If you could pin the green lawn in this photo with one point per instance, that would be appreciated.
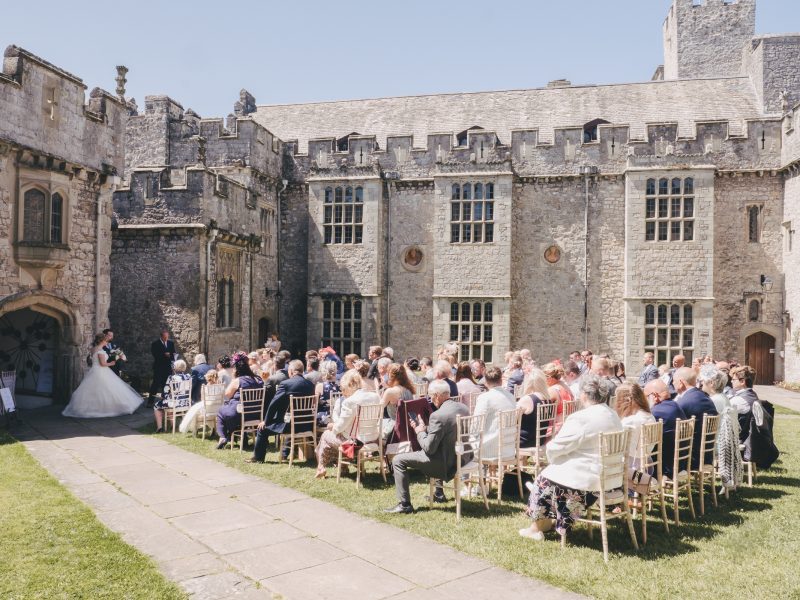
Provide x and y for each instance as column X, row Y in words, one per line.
column 53, row 547
column 742, row 549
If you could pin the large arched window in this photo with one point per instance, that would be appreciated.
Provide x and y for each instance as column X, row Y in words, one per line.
column 43, row 217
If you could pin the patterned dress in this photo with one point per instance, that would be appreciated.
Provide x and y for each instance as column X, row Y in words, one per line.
column 550, row 500
column 167, row 401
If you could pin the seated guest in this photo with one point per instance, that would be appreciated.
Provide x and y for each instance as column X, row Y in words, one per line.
column 726, row 370
column 437, row 458
column 166, row 400
column 426, row 368
column 465, row 383
column 634, row 411
column 664, row 408
column 228, row 418
column 729, row 458
column 572, row 377
column 281, row 374
column 412, row 370
column 328, row 353
column 344, row 424
column 491, row 403
column 189, row 419
column 743, row 397
column 398, row 388
column 570, row 483
column 559, row 391
column 373, row 355
column 350, row 361
column 478, row 367
column 694, row 403
column 601, row 367
column 442, row 372
column 274, row 422
column 225, row 369
column 515, row 374
column 383, row 373
column 199, row 370
column 368, row 384
column 649, row 371
column 535, row 393
column 327, row 385
column 619, row 372
column 312, row 373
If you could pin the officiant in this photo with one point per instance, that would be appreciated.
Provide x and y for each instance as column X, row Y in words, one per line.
column 163, row 351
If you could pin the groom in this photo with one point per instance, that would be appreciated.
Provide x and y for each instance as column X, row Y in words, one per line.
column 163, row 351
column 109, row 347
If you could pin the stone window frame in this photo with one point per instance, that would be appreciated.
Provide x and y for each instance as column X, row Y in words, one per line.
column 754, row 310
column 340, row 225
column 268, row 222
column 342, row 324
column 661, row 328
column 474, row 336
column 228, row 278
column 670, row 210
column 754, row 222
column 50, row 190
column 465, row 227
column 788, row 235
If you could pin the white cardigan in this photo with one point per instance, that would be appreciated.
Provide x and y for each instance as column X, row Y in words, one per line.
column 574, row 453
column 345, row 420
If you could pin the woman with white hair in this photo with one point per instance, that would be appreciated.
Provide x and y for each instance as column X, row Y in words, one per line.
column 166, row 400
column 327, row 385
column 729, row 460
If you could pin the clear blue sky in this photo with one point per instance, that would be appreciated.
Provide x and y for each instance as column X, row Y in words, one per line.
column 203, row 52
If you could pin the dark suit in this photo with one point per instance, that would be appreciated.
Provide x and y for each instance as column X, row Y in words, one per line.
column 117, row 367
column 669, row 412
column 162, row 365
column 516, row 377
column 696, row 403
column 276, row 411
column 198, row 379
column 438, row 455
column 271, row 385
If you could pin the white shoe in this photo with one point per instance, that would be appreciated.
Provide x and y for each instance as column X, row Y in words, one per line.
column 527, row 532
column 529, row 486
column 470, row 493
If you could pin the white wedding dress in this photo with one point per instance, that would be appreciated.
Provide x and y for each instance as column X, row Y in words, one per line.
column 102, row 394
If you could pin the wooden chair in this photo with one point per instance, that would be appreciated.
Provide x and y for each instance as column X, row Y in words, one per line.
column 614, row 464
column 517, row 391
column 472, row 399
column 508, row 423
column 421, row 389
column 9, row 380
column 369, row 430
column 469, row 441
column 570, row 407
column 180, row 401
column 302, row 425
column 212, row 395
column 681, row 479
column 706, row 472
column 650, row 451
column 534, row 458
column 749, row 466
column 251, row 407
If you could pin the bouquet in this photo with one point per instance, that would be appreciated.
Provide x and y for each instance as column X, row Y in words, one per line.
column 117, row 354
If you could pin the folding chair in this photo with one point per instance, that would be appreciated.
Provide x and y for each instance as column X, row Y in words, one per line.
column 472, row 399
column 302, row 425
column 369, row 430
column 468, row 442
column 570, row 407
column 535, row 457
column 614, row 464
column 517, row 391
column 251, row 407
column 681, row 463
column 421, row 389
column 650, row 450
column 706, row 472
column 180, row 401
column 750, row 466
column 508, row 423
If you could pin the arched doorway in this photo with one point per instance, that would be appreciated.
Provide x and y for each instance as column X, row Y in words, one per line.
column 759, row 353
column 28, row 345
column 263, row 331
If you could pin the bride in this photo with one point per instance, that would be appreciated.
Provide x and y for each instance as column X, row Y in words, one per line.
column 102, row 393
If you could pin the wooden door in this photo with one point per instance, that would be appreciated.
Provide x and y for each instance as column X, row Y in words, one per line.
column 759, row 353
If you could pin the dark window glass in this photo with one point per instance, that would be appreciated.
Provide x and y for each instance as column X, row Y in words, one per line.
column 328, row 194
column 348, row 194
column 359, row 213
column 688, row 186
column 487, row 311
column 338, row 194
column 337, row 213
column 752, row 225
column 649, row 315
column 487, row 333
column 675, row 227
column 328, row 235
column 358, row 236
column 662, row 337
column 489, row 237
column 478, row 191
column 688, row 341
column 476, row 311
column 337, row 309
column 675, row 338
column 466, row 233
column 675, row 211
column 676, row 187
column 754, row 312
column 467, row 191
column 453, row 313
column 662, row 314
column 662, row 231
column 688, row 231
column 231, row 293
column 650, row 210
column 688, row 207
column 348, row 214
column 456, row 193
column 651, row 187
column 649, row 337
column 33, row 225
column 359, row 194
column 357, row 312
column 663, row 208
column 466, row 211
column 337, row 235
column 465, row 311
column 348, row 234
column 56, row 217
column 477, row 232
column 490, row 211
column 328, row 214
column 455, row 230
column 674, row 315
column 477, row 211
column 455, row 211
column 688, row 315
column 453, row 332
column 650, row 231
column 663, row 187
column 489, row 191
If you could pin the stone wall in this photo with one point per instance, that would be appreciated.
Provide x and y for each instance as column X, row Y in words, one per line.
column 706, row 39
column 791, row 258
column 294, row 265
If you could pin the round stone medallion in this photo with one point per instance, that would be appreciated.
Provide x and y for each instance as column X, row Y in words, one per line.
column 552, row 254
column 412, row 258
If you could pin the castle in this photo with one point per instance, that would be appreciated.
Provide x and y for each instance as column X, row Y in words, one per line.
column 624, row 218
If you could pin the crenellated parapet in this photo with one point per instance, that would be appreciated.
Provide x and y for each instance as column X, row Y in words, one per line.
column 65, row 126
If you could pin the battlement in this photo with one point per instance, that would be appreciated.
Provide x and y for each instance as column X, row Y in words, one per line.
column 58, row 120
column 752, row 144
column 704, row 38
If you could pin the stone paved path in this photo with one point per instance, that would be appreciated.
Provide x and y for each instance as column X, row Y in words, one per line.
column 779, row 396
column 223, row 534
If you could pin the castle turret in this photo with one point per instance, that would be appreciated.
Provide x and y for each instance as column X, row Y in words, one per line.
column 705, row 38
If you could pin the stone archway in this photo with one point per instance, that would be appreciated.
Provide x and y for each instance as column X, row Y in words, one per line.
column 40, row 338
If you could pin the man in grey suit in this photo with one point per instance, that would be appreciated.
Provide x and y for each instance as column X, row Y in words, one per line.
column 650, row 371
column 437, row 440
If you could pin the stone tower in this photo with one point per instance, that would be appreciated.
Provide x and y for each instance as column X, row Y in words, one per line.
column 705, row 38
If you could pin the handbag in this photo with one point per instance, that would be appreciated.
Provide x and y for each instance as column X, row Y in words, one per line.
column 352, row 446
column 639, row 482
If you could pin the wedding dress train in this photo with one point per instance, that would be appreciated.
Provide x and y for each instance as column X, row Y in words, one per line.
column 102, row 394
